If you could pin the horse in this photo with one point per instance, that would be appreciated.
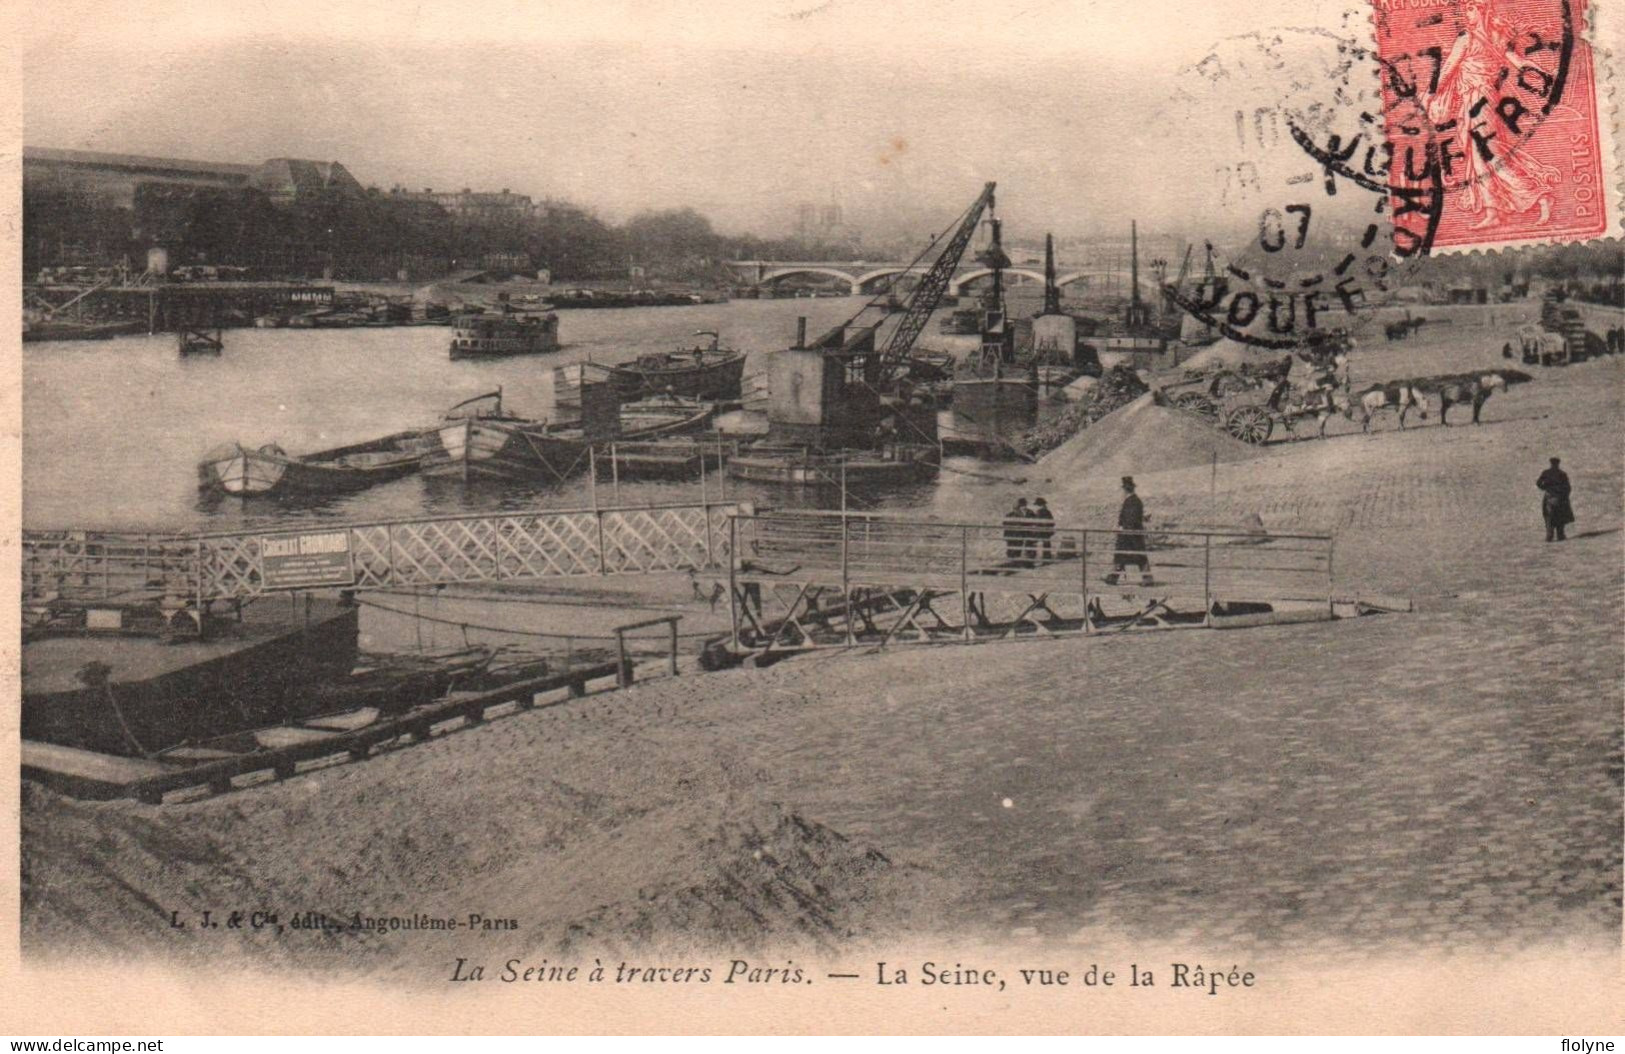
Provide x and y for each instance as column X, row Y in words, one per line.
column 1379, row 397
column 1474, row 390
column 1402, row 328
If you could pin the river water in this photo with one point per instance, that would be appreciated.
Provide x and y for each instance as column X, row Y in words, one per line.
column 113, row 430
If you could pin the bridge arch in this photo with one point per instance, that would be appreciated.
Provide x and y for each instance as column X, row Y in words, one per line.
column 959, row 283
column 852, row 284
column 1148, row 286
column 863, row 280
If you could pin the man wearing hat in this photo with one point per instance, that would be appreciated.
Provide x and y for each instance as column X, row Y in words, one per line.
column 1130, row 539
column 1015, row 534
column 1554, row 503
column 1042, row 531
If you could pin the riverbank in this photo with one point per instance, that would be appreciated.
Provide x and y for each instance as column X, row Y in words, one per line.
column 1441, row 782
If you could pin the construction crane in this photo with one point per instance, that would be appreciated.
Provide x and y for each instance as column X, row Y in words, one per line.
column 929, row 292
column 859, row 345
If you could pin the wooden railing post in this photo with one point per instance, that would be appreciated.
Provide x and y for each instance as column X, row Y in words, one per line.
column 964, row 583
column 603, row 556
column 846, row 583
column 1207, row 579
column 1331, row 599
column 1083, row 579
column 733, row 585
column 623, row 672
column 673, row 624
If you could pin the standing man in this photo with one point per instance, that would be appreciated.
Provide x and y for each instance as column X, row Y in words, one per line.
column 1015, row 533
column 1554, row 503
column 1043, row 531
column 1130, row 545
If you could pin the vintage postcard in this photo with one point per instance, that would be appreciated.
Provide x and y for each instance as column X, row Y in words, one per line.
column 797, row 516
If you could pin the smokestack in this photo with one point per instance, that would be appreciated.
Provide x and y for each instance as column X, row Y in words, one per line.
column 801, row 332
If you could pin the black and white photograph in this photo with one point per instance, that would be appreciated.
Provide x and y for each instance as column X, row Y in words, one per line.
column 809, row 516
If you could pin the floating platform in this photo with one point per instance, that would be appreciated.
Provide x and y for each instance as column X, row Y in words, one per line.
column 799, row 468
column 280, row 750
column 134, row 695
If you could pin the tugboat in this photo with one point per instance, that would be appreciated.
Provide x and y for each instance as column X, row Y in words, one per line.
column 510, row 332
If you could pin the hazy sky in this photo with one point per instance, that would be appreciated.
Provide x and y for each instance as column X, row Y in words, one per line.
column 901, row 110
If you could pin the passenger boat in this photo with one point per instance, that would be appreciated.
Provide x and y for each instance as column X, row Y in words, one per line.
column 242, row 472
column 713, row 373
column 479, row 336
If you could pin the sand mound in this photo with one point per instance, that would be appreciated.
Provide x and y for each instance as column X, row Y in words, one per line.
column 762, row 876
column 1228, row 353
column 1141, row 437
column 582, row 873
column 102, row 879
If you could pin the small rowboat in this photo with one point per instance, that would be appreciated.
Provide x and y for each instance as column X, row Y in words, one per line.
column 242, row 472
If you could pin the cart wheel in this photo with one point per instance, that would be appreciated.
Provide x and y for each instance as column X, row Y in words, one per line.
column 1197, row 403
column 1250, row 424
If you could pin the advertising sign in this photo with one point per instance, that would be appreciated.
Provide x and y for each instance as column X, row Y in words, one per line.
column 306, row 561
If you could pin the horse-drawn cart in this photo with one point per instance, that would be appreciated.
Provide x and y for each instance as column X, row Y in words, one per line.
column 1247, row 401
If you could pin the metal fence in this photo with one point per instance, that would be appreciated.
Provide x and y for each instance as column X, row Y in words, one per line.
column 970, row 580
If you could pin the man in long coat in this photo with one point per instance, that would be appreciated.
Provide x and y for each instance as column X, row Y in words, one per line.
column 1554, row 503
column 1016, row 534
column 1130, row 544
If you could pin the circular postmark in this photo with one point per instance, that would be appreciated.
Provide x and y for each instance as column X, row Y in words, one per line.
column 1306, row 232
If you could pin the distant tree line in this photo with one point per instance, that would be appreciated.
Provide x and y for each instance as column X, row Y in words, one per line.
column 376, row 235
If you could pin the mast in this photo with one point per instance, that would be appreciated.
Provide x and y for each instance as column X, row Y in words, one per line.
column 1134, row 274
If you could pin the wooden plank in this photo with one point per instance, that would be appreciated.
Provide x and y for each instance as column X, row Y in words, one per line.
column 1270, row 618
column 87, row 764
column 348, row 721
column 278, row 738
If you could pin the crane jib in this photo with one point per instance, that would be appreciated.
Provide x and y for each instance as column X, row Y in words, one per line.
column 928, row 293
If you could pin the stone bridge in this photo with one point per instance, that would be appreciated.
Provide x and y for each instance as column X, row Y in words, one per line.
column 864, row 276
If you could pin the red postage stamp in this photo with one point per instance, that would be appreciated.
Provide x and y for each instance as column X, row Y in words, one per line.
column 1494, row 106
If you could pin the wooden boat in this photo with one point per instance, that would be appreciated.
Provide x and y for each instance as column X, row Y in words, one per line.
column 800, row 467
column 478, row 440
column 68, row 329
column 501, row 335
column 271, row 470
column 711, row 373
column 664, row 415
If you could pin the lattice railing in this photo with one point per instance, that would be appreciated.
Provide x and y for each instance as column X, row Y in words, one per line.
column 502, row 546
column 102, row 565
column 552, row 544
